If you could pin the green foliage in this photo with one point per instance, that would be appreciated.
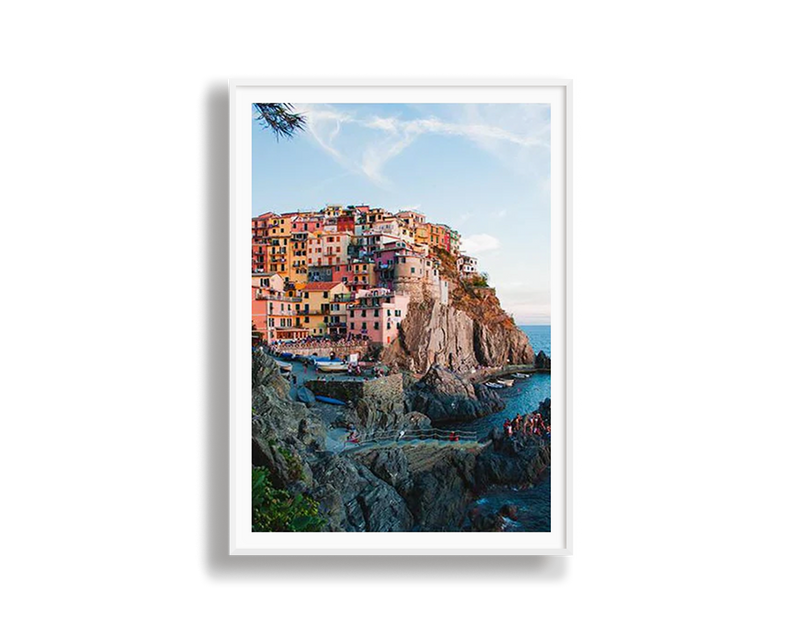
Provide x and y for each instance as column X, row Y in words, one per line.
column 476, row 281
column 279, row 118
column 277, row 510
column 295, row 468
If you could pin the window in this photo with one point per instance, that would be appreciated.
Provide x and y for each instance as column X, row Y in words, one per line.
column 376, row 313
column 324, row 294
column 352, row 313
column 388, row 312
column 363, row 313
column 397, row 312
column 306, row 320
column 377, row 325
column 305, row 295
column 388, row 325
column 353, row 325
column 413, row 270
column 363, row 325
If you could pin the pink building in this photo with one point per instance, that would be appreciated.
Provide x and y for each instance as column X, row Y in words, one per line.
column 376, row 314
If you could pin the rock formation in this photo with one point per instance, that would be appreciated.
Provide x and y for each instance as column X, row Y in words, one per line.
column 423, row 487
column 469, row 332
column 445, row 396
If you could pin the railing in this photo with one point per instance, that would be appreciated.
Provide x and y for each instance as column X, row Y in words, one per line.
column 263, row 296
column 435, row 435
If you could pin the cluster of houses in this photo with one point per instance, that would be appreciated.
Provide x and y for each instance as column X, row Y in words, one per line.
column 345, row 272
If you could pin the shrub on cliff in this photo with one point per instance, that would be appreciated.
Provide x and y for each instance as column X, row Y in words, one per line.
column 277, row 510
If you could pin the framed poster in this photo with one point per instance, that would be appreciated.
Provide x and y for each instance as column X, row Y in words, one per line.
column 399, row 313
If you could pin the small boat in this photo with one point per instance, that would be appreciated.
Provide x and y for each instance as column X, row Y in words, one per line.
column 505, row 382
column 327, row 400
column 521, row 376
column 286, row 355
column 305, row 395
column 494, row 385
column 332, row 367
column 284, row 366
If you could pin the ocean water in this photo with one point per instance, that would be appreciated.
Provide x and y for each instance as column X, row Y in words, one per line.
column 525, row 395
column 533, row 503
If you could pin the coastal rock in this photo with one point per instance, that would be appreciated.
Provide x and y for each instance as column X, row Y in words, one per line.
column 499, row 343
column 284, row 432
column 471, row 331
column 436, row 483
column 511, row 461
column 497, row 521
column 419, row 487
column 443, row 396
column 352, row 498
column 544, row 409
column 542, row 361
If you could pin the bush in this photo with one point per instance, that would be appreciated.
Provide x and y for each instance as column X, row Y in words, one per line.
column 277, row 510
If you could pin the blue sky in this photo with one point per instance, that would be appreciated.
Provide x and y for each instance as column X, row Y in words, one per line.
column 483, row 169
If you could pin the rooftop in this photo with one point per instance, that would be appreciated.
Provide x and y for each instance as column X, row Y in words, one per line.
column 321, row 286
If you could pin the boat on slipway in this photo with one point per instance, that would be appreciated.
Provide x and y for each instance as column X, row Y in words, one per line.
column 506, row 382
column 332, row 367
column 494, row 385
column 521, row 376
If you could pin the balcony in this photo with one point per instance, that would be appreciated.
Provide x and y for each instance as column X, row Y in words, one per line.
column 277, row 298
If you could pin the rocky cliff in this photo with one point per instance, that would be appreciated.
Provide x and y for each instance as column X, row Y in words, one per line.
column 445, row 396
column 469, row 332
column 425, row 487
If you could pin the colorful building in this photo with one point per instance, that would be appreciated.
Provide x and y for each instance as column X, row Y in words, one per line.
column 312, row 268
column 273, row 312
column 376, row 314
column 467, row 265
column 315, row 305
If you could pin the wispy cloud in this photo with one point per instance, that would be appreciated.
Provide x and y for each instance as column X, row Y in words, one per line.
column 369, row 154
column 479, row 243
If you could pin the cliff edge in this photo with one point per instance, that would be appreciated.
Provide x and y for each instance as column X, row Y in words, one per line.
column 471, row 331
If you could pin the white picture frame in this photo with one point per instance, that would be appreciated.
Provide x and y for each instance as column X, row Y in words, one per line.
column 564, row 92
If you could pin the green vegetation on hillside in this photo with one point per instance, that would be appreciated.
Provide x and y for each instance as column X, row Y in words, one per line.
column 277, row 510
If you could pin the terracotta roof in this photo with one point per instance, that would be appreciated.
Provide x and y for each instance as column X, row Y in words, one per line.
column 321, row 286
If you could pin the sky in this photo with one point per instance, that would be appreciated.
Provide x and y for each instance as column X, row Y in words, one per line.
column 483, row 169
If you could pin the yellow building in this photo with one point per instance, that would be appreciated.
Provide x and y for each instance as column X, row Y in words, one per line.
column 277, row 249
column 422, row 234
column 315, row 306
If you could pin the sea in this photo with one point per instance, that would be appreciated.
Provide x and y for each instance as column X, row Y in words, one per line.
column 533, row 503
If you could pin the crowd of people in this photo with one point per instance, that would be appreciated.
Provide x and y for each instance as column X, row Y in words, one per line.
column 531, row 424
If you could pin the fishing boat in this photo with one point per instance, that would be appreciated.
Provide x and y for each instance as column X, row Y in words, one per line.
column 284, row 366
column 506, row 382
column 521, row 376
column 327, row 400
column 494, row 385
column 332, row 367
